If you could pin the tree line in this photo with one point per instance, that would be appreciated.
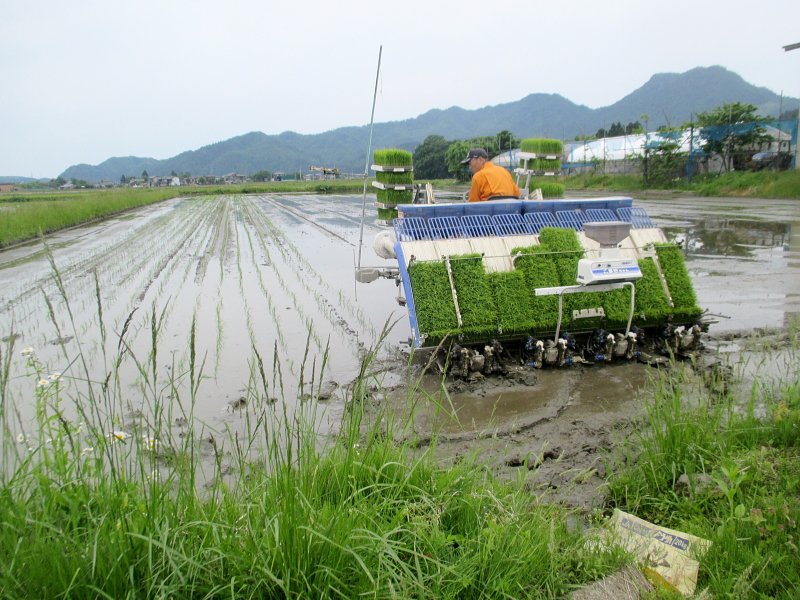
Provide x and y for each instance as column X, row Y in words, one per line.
column 438, row 158
column 732, row 131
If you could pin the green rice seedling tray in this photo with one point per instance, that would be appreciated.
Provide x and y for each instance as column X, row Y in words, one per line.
column 541, row 146
column 394, row 197
column 392, row 157
column 392, row 178
column 469, row 298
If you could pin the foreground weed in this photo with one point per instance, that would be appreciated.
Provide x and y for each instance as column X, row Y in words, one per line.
column 727, row 473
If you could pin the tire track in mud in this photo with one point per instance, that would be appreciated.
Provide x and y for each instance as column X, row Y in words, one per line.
column 215, row 245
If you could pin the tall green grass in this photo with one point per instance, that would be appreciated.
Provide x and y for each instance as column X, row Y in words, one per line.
column 97, row 505
column 24, row 220
column 23, row 217
column 741, row 454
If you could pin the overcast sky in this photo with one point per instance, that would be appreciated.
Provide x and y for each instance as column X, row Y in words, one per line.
column 84, row 80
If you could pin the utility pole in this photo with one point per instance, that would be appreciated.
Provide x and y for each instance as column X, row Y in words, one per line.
column 797, row 137
column 690, row 165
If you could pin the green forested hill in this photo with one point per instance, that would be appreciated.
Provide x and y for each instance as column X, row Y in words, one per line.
column 668, row 98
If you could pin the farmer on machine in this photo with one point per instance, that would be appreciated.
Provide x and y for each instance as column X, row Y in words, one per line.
column 488, row 181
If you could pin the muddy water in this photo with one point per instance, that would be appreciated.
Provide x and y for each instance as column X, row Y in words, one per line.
column 267, row 277
column 743, row 256
column 262, row 278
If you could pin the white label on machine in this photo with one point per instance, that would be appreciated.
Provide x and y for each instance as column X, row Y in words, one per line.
column 605, row 271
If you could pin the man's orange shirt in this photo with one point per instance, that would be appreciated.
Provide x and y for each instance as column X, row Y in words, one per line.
column 490, row 181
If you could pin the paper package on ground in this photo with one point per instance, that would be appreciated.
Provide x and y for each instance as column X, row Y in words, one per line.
column 671, row 554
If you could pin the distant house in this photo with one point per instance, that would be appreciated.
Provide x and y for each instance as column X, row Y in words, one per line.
column 67, row 186
column 164, row 181
column 105, row 183
column 8, row 187
column 231, row 178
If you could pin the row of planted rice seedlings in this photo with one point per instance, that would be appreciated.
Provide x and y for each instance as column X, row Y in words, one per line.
column 75, row 288
column 306, row 275
column 171, row 270
column 162, row 248
column 324, row 286
column 505, row 303
column 262, row 237
column 278, row 237
column 177, row 272
column 83, row 313
column 164, row 291
column 75, row 264
column 220, row 312
column 392, row 157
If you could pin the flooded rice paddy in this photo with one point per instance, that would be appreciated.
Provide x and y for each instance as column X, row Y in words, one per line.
column 248, row 299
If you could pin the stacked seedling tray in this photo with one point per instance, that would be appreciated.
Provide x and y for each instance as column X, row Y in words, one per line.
column 394, row 178
column 541, row 157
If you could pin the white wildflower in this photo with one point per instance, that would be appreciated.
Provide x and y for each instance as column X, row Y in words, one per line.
column 27, row 351
column 119, row 435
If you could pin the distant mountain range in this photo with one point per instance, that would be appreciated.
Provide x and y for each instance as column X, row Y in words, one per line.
column 668, row 98
column 13, row 179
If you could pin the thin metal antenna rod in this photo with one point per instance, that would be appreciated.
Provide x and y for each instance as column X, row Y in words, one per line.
column 369, row 152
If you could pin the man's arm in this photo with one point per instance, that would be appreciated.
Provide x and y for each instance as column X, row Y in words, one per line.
column 477, row 183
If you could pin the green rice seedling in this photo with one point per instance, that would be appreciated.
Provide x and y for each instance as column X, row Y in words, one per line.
column 475, row 300
column 512, row 300
column 544, row 164
column 539, row 270
column 652, row 305
column 542, row 146
column 406, row 177
column 564, row 242
column 678, row 281
column 433, row 299
column 387, row 214
column 550, row 190
column 392, row 157
column 395, row 196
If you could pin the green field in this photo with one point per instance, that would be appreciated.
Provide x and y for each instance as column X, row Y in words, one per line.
column 26, row 216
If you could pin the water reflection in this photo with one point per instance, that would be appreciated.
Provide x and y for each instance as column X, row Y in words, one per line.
column 721, row 236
